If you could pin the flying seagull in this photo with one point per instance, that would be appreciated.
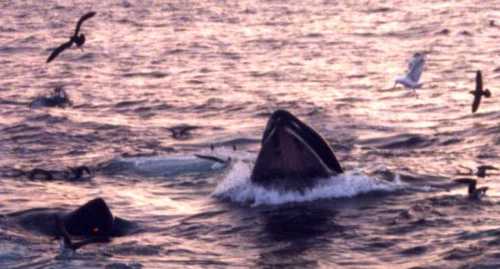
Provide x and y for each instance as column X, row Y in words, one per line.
column 78, row 40
column 479, row 92
column 415, row 68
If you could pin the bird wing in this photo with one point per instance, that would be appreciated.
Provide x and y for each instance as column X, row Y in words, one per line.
column 58, row 50
column 479, row 81
column 478, row 92
column 82, row 19
column 416, row 67
column 475, row 103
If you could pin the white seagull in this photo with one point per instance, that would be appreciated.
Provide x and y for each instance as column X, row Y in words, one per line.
column 415, row 68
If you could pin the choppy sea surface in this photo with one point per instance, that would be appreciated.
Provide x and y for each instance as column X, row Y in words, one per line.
column 223, row 67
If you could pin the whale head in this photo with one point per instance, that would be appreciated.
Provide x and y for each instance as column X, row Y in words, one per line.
column 293, row 156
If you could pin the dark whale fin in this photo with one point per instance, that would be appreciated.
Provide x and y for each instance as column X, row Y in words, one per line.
column 292, row 154
column 92, row 219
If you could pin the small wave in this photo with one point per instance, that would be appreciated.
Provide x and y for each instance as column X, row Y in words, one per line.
column 402, row 141
column 236, row 186
column 153, row 74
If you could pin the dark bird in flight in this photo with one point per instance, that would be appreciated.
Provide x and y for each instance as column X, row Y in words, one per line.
column 479, row 92
column 474, row 193
column 481, row 170
column 77, row 39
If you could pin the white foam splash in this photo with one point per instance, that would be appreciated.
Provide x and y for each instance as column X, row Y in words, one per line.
column 236, row 186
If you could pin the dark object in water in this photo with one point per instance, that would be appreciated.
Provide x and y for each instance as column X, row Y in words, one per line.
column 78, row 40
column 93, row 221
column 479, row 92
column 78, row 173
column 68, row 243
column 465, row 33
column 181, row 131
column 473, row 192
column 444, row 32
column 293, row 156
column 59, row 98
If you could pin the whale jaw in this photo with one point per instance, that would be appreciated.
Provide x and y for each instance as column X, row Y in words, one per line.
column 293, row 156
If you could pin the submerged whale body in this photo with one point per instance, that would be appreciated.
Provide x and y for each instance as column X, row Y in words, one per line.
column 164, row 165
column 293, row 156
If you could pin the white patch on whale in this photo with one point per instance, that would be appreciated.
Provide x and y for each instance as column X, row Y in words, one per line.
column 162, row 165
column 237, row 186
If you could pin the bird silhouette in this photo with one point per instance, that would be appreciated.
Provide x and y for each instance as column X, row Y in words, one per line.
column 481, row 170
column 77, row 39
column 474, row 193
column 181, row 131
column 479, row 92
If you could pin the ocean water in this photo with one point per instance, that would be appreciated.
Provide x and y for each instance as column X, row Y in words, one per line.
column 223, row 67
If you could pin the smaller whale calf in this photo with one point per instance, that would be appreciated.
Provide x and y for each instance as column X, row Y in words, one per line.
column 92, row 221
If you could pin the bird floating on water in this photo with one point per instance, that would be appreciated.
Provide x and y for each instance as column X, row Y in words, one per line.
column 479, row 92
column 59, row 98
column 181, row 131
column 415, row 68
column 474, row 193
column 77, row 39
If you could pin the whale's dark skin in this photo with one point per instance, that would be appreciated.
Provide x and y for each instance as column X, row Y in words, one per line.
column 92, row 221
column 293, row 156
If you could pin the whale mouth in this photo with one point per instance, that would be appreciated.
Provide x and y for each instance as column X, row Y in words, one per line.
column 292, row 154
